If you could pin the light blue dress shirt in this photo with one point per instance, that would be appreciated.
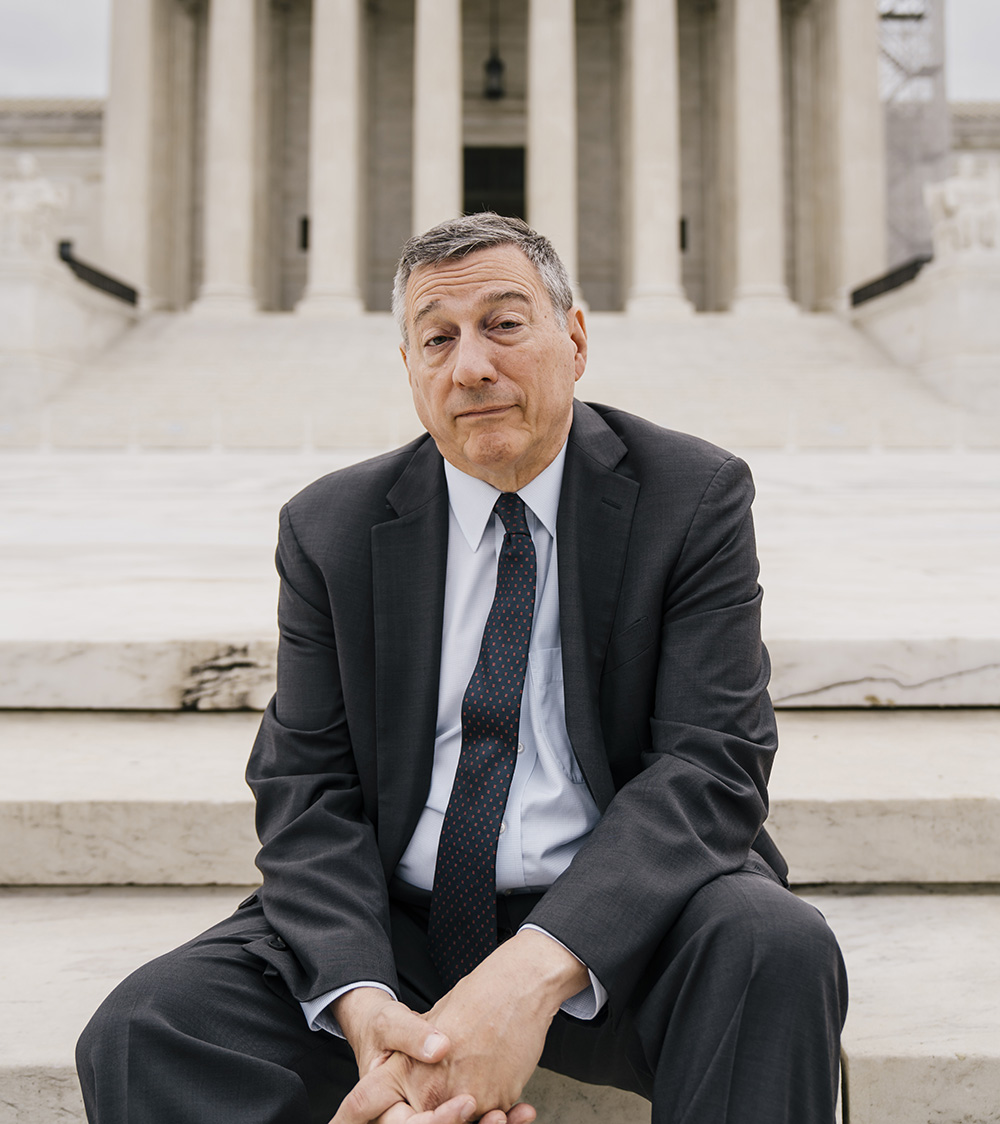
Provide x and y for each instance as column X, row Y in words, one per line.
column 549, row 808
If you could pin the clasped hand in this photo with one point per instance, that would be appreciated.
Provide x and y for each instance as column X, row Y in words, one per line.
column 471, row 1055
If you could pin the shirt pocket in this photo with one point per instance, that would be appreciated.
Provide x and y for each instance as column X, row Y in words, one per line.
column 549, row 711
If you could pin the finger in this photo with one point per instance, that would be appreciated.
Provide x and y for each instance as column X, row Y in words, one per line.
column 458, row 1110
column 522, row 1113
column 397, row 1028
column 519, row 1114
column 400, row 1113
column 367, row 1100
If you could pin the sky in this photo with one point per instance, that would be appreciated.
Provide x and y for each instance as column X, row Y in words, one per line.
column 972, row 49
column 59, row 48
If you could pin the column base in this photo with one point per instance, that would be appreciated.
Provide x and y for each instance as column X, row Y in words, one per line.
column 222, row 302
column 763, row 300
column 838, row 303
column 329, row 304
column 658, row 304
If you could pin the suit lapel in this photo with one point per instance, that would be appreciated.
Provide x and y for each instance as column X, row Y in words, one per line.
column 595, row 520
column 409, row 558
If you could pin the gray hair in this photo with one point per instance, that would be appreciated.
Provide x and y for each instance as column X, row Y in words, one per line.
column 457, row 238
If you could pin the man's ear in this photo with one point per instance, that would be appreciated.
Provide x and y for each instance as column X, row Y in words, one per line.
column 576, row 325
column 406, row 364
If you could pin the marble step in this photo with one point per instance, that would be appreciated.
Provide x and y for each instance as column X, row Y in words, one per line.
column 159, row 798
column 230, row 670
column 73, row 946
column 922, row 1039
column 141, row 581
column 268, row 382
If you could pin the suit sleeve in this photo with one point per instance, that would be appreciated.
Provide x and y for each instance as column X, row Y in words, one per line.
column 322, row 875
column 698, row 796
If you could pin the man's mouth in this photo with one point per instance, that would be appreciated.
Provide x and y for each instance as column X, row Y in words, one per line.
column 482, row 411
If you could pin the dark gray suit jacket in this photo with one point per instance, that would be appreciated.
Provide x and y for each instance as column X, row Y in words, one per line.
column 665, row 684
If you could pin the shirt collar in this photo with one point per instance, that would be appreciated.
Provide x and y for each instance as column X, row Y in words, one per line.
column 472, row 499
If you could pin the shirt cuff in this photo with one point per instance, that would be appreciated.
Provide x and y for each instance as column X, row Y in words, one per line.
column 585, row 1004
column 315, row 1009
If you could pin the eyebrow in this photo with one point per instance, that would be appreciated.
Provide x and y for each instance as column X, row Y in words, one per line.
column 508, row 295
column 425, row 311
column 499, row 297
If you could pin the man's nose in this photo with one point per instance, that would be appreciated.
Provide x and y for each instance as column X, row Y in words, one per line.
column 473, row 362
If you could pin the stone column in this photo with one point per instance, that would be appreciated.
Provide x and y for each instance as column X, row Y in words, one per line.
column 177, row 184
column 551, row 171
column 758, row 159
column 335, row 160
column 230, row 189
column 859, row 156
column 805, row 126
column 437, row 112
column 129, row 144
column 655, row 187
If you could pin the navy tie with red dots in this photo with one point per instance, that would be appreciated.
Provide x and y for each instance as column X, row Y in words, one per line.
column 463, row 915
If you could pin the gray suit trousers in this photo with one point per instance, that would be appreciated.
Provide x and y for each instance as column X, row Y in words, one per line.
column 736, row 1020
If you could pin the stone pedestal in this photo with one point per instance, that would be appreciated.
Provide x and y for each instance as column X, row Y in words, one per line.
column 49, row 321
column 945, row 324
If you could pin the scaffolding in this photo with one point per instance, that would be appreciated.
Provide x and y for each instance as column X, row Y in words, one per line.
column 917, row 126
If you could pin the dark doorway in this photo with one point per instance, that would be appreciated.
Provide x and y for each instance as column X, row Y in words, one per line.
column 494, row 181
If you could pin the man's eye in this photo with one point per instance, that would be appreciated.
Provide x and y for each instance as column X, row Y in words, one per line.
column 506, row 325
column 436, row 341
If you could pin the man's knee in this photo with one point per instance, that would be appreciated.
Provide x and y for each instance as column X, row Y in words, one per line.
column 744, row 930
column 772, row 946
column 152, row 994
column 746, row 962
column 208, row 1020
column 107, row 1031
column 111, row 1038
column 789, row 935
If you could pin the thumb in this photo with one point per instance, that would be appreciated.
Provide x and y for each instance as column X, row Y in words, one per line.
column 400, row 1030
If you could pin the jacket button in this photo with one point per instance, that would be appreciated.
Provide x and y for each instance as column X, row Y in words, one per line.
column 277, row 942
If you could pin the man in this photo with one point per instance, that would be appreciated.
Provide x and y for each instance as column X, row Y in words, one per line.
column 511, row 787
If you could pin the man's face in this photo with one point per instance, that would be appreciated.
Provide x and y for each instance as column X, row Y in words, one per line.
column 491, row 366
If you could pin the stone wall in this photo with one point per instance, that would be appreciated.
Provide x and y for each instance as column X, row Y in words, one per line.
column 975, row 127
column 64, row 136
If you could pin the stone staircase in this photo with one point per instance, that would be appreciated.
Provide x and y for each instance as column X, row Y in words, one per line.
column 136, row 615
column 278, row 381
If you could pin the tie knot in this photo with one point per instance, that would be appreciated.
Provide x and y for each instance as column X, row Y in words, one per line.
column 510, row 508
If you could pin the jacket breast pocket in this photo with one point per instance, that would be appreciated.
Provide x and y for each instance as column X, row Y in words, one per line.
column 629, row 643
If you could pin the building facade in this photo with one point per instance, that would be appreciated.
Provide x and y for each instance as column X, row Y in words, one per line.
column 975, row 129
column 64, row 136
column 682, row 154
